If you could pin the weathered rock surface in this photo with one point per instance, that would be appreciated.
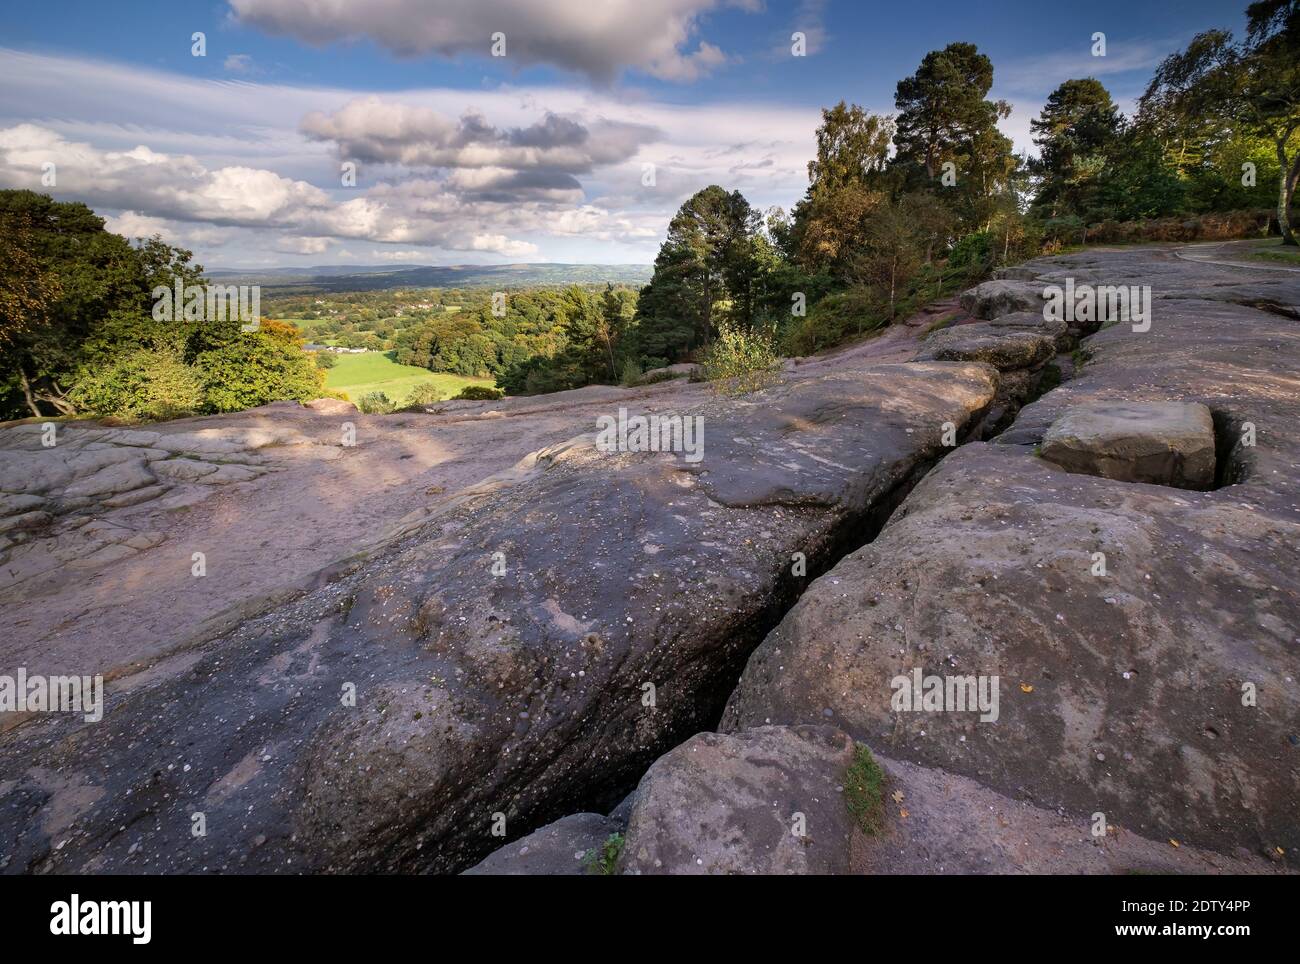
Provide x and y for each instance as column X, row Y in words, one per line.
column 1004, row 347
column 1164, row 443
column 519, row 693
column 1143, row 637
column 999, row 297
column 939, row 823
column 764, row 801
column 561, row 849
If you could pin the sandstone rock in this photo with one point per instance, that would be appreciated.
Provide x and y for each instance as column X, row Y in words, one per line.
column 519, row 693
column 1120, row 693
column 1164, row 443
column 994, row 298
column 115, row 478
column 731, row 803
column 183, row 470
column 332, row 406
column 561, row 848
column 1004, row 348
column 25, row 520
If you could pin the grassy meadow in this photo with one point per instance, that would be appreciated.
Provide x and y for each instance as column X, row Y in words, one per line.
column 356, row 375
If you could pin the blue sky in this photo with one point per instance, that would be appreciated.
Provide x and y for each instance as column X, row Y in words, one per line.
column 542, row 154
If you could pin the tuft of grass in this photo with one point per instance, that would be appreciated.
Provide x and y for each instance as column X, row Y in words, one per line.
column 601, row 860
column 864, row 791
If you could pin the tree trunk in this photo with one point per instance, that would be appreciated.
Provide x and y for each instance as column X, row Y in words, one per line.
column 1286, row 185
column 27, row 393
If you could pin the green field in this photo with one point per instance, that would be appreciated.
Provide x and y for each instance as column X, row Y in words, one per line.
column 356, row 375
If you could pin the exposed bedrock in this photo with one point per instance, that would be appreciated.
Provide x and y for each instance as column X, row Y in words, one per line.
column 524, row 649
column 1144, row 637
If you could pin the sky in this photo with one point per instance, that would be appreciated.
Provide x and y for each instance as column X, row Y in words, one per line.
column 311, row 132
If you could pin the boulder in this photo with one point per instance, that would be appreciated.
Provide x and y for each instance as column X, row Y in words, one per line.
column 567, row 847
column 994, row 298
column 1005, row 348
column 769, row 800
column 1164, row 443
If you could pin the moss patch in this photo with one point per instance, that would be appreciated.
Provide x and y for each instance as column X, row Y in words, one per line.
column 864, row 791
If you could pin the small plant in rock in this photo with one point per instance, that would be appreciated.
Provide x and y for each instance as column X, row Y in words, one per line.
column 864, row 791
column 740, row 360
column 601, row 860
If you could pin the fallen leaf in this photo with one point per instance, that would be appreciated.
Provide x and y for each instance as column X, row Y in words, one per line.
column 1026, row 688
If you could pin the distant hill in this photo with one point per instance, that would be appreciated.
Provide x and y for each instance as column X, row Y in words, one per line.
column 337, row 277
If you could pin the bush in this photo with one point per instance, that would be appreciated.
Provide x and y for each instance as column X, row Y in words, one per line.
column 254, row 369
column 425, row 393
column 845, row 314
column 631, row 373
column 147, row 383
column 741, row 360
column 973, row 252
column 480, row 393
column 375, row 403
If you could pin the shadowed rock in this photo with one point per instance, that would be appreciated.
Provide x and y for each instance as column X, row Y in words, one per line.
column 765, row 801
column 564, row 848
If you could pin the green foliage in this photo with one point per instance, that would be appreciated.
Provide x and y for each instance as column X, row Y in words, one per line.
column 864, row 791
column 375, row 403
column 144, row 383
column 480, row 393
column 837, row 317
column 972, row 251
column 740, row 360
column 425, row 393
column 253, row 369
column 602, row 860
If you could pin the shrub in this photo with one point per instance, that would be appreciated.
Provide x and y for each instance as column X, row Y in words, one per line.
column 631, row 373
column 741, row 360
column 845, row 314
column 147, row 383
column 375, row 403
column 973, row 252
column 253, row 369
column 426, row 393
column 480, row 393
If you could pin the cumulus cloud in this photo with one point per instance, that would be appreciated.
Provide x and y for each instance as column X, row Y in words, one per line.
column 150, row 188
column 132, row 224
column 599, row 39
column 371, row 129
column 164, row 185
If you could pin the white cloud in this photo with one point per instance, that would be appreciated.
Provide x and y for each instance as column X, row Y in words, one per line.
column 238, row 64
column 181, row 149
column 599, row 39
